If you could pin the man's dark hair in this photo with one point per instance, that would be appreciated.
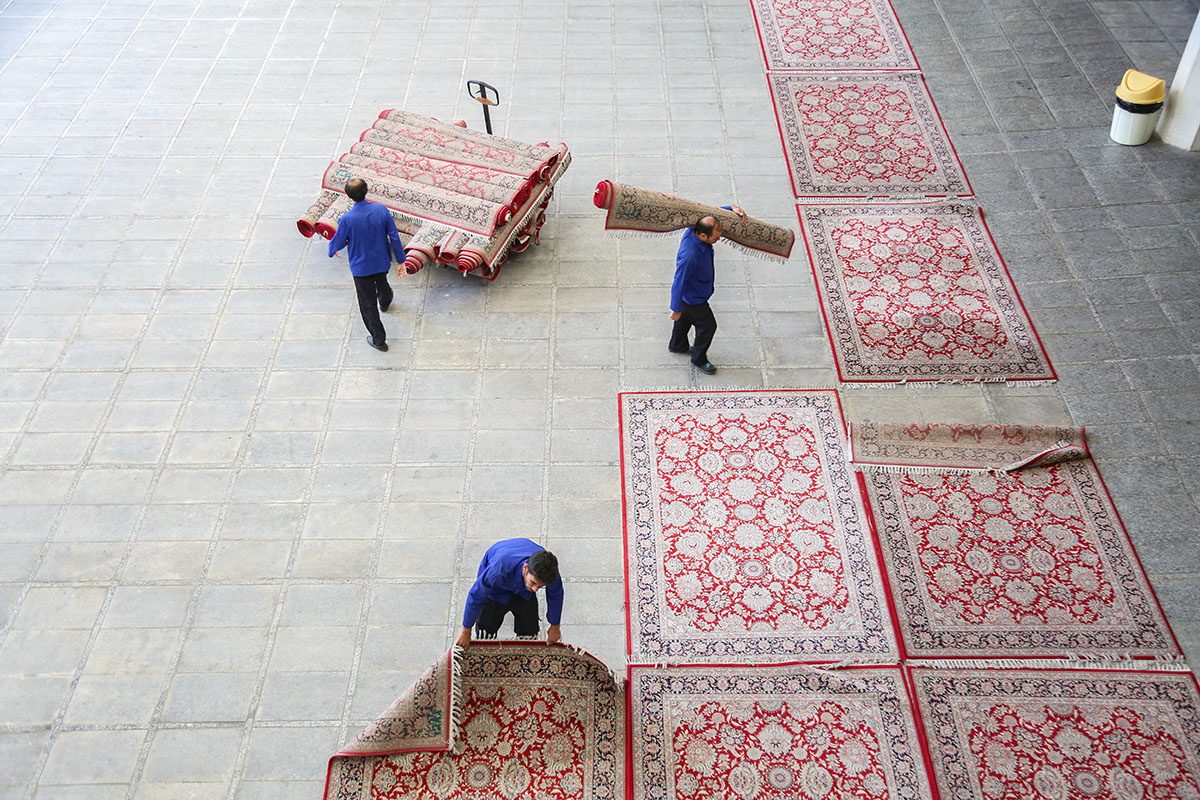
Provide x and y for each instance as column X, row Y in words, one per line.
column 705, row 225
column 544, row 567
column 356, row 189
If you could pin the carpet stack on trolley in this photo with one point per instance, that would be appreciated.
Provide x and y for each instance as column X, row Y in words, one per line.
column 461, row 198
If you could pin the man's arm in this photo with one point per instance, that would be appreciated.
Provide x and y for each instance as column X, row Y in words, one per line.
column 338, row 241
column 554, row 604
column 683, row 263
column 394, row 237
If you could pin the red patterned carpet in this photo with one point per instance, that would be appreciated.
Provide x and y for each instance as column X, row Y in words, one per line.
column 831, row 34
column 864, row 135
column 1063, row 734
column 505, row 720
column 773, row 733
column 919, row 292
column 745, row 537
column 1029, row 563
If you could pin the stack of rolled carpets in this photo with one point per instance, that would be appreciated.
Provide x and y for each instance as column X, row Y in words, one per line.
column 459, row 197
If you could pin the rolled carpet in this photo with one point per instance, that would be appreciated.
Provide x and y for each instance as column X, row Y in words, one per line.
column 452, row 148
column 451, row 183
column 440, row 166
column 422, row 248
column 327, row 224
column 646, row 211
column 545, row 154
column 307, row 222
column 429, row 203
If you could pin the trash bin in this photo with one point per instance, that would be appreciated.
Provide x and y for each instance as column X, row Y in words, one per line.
column 1139, row 102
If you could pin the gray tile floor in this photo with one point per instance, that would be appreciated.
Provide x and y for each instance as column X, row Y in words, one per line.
column 232, row 531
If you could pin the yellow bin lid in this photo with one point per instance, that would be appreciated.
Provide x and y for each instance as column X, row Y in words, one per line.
column 1138, row 87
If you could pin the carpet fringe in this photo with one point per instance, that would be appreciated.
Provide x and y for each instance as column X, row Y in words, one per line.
column 623, row 233
column 1108, row 661
column 915, row 470
column 1008, row 383
column 456, row 696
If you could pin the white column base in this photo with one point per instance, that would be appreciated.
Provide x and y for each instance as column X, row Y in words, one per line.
column 1180, row 123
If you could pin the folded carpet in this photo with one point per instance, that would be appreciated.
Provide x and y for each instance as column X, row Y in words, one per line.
column 745, row 535
column 781, row 732
column 864, row 135
column 918, row 292
column 1064, row 734
column 495, row 720
column 1027, row 563
column 944, row 447
column 471, row 172
column 831, row 34
column 646, row 211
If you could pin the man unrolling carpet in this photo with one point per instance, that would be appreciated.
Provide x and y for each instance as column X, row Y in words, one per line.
column 510, row 575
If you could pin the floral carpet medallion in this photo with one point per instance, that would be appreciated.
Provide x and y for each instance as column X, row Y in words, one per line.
column 531, row 721
column 831, row 34
column 1031, row 563
column 1062, row 735
column 773, row 733
column 745, row 538
column 864, row 135
column 918, row 292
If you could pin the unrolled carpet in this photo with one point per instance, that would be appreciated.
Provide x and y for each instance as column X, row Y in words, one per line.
column 1061, row 734
column 773, row 733
column 646, row 211
column 831, row 34
column 1031, row 563
column 918, row 292
column 511, row 720
column 864, row 135
column 745, row 536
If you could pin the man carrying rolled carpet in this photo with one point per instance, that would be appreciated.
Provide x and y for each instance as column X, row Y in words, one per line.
column 510, row 575
column 693, row 285
column 369, row 232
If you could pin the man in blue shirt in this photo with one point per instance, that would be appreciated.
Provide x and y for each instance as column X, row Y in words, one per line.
column 370, row 232
column 692, row 287
column 510, row 575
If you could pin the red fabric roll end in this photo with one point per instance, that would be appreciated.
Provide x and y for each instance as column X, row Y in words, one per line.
column 306, row 228
column 383, row 114
column 603, row 196
column 412, row 266
column 462, row 123
column 325, row 230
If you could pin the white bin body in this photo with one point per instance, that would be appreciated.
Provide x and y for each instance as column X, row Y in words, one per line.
column 1131, row 128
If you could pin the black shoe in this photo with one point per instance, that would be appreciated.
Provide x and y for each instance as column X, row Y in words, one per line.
column 707, row 368
column 685, row 350
column 380, row 346
column 383, row 307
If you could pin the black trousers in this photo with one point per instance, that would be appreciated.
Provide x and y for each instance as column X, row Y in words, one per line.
column 525, row 617
column 373, row 291
column 701, row 317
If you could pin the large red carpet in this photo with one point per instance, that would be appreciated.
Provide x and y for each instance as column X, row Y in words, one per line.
column 745, row 537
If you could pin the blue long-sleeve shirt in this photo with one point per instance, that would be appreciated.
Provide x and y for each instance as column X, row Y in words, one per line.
column 694, row 275
column 500, row 578
column 370, row 233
